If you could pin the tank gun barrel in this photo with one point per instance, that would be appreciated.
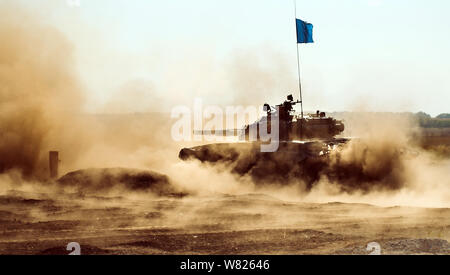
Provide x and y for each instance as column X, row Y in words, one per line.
column 226, row 132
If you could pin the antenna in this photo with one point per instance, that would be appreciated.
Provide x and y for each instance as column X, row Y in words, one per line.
column 298, row 60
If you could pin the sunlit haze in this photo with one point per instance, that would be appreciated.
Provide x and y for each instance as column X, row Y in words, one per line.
column 374, row 55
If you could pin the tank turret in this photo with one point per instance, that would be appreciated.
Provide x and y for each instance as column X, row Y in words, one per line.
column 298, row 127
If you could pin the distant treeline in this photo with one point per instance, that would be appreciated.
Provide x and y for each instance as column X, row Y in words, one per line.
column 426, row 121
column 422, row 119
column 443, row 116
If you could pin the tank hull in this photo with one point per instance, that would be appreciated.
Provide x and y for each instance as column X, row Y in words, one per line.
column 293, row 160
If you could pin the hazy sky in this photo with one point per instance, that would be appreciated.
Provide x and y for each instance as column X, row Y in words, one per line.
column 378, row 55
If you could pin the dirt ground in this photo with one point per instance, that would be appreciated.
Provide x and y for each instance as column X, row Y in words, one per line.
column 32, row 223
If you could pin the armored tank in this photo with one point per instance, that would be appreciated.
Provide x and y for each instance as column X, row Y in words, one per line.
column 305, row 141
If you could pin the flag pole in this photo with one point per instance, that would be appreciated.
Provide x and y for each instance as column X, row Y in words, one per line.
column 298, row 60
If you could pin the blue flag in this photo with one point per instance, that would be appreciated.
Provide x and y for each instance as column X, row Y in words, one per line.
column 304, row 32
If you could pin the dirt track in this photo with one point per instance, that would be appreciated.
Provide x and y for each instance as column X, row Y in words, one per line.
column 246, row 224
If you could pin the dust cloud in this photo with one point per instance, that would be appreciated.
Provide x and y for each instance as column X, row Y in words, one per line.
column 383, row 164
column 39, row 93
column 41, row 110
column 123, row 189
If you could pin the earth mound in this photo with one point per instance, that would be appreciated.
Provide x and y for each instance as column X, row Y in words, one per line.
column 121, row 179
